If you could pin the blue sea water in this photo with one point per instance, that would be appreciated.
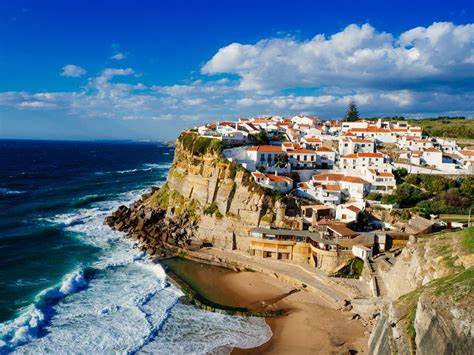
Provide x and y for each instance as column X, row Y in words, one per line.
column 68, row 283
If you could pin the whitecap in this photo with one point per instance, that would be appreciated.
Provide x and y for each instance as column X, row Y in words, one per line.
column 9, row 192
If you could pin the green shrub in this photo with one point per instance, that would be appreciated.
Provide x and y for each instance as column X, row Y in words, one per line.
column 211, row 209
column 375, row 196
column 388, row 199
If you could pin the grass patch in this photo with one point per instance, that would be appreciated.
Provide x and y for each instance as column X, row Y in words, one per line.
column 198, row 145
column 352, row 270
column 468, row 240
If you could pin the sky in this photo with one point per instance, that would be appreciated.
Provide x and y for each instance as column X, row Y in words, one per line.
column 144, row 70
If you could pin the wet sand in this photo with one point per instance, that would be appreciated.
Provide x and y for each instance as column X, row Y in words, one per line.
column 309, row 325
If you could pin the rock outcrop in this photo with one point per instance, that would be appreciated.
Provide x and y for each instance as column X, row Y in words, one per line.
column 205, row 198
column 432, row 286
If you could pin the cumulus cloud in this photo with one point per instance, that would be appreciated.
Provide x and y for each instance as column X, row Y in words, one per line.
column 118, row 56
column 358, row 56
column 424, row 71
column 72, row 71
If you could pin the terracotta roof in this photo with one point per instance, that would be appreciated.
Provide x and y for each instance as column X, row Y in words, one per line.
column 331, row 187
column 351, row 156
column 303, row 185
column 354, row 180
column 354, row 208
column 301, row 151
column 342, row 230
column 328, row 177
column 258, row 174
column 370, row 129
column 362, row 140
column 265, row 148
column 277, row 178
column 370, row 155
column 313, row 140
column 324, row 149
column 433, row 150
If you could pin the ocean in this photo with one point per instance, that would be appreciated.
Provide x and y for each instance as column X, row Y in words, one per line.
column 68, row 283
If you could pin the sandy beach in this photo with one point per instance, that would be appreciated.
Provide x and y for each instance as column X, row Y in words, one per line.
column 309, row 325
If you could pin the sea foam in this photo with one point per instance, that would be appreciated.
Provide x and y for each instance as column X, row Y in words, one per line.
column 122, row 303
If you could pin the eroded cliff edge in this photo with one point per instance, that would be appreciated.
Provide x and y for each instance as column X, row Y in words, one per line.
column 206, row 199
column 432, row 285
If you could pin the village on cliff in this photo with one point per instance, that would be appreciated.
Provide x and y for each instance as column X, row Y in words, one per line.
column 339, row 168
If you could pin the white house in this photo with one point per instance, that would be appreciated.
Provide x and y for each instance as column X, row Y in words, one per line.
column 311, row 142
column 356, row 145
column 347, row 213
column 381, row 181
column 302, row 158
column 326, row 157
column 354, row 187
column 264, row 156
column 447, row 145
column 362, row 252
column 414, row 143
column 361, row 160
column 283, row 184
column 433, row 157
column 348, row 126
column 383, row 135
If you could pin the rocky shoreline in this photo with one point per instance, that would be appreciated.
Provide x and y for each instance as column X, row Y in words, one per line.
column 150, row 228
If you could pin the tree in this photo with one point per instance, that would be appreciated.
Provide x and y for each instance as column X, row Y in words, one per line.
column 352, row 113
column 261, row 137
column 281, row 160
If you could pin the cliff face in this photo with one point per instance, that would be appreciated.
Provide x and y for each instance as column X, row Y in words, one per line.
column 227, row 202
column 205, row 198
column 432, row 285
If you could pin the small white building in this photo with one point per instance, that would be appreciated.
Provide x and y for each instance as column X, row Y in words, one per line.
column 361, row 160
column 356, row 145
column 264, row 156
column 382, row 182
column 302, row 158
column 326, row 157
column 283, row 184
column 433, row 157
column 362, row 252
column 347, row 213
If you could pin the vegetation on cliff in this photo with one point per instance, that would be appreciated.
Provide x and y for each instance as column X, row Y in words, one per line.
column 199, row 145
column 442, row 305
column 434, row 194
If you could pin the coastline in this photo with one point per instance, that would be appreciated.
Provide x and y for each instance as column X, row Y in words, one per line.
column 307, row 325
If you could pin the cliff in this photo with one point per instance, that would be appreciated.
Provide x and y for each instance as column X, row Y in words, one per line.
column 205, row 198
column 431, row 286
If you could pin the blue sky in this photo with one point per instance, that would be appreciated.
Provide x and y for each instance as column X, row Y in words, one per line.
column 146, row 69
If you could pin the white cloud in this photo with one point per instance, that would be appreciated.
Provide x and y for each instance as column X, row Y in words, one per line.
column 424, row 71
column 118, row 56
column 358, row 56
column 72, row 71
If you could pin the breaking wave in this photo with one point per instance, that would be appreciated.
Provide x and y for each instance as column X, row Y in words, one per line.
column 121, row 302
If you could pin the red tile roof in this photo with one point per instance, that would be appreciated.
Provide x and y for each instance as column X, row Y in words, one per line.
column 265, row 148
column 324, row 149
column 354, row 180
column 328, row 177
column 353, row 208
